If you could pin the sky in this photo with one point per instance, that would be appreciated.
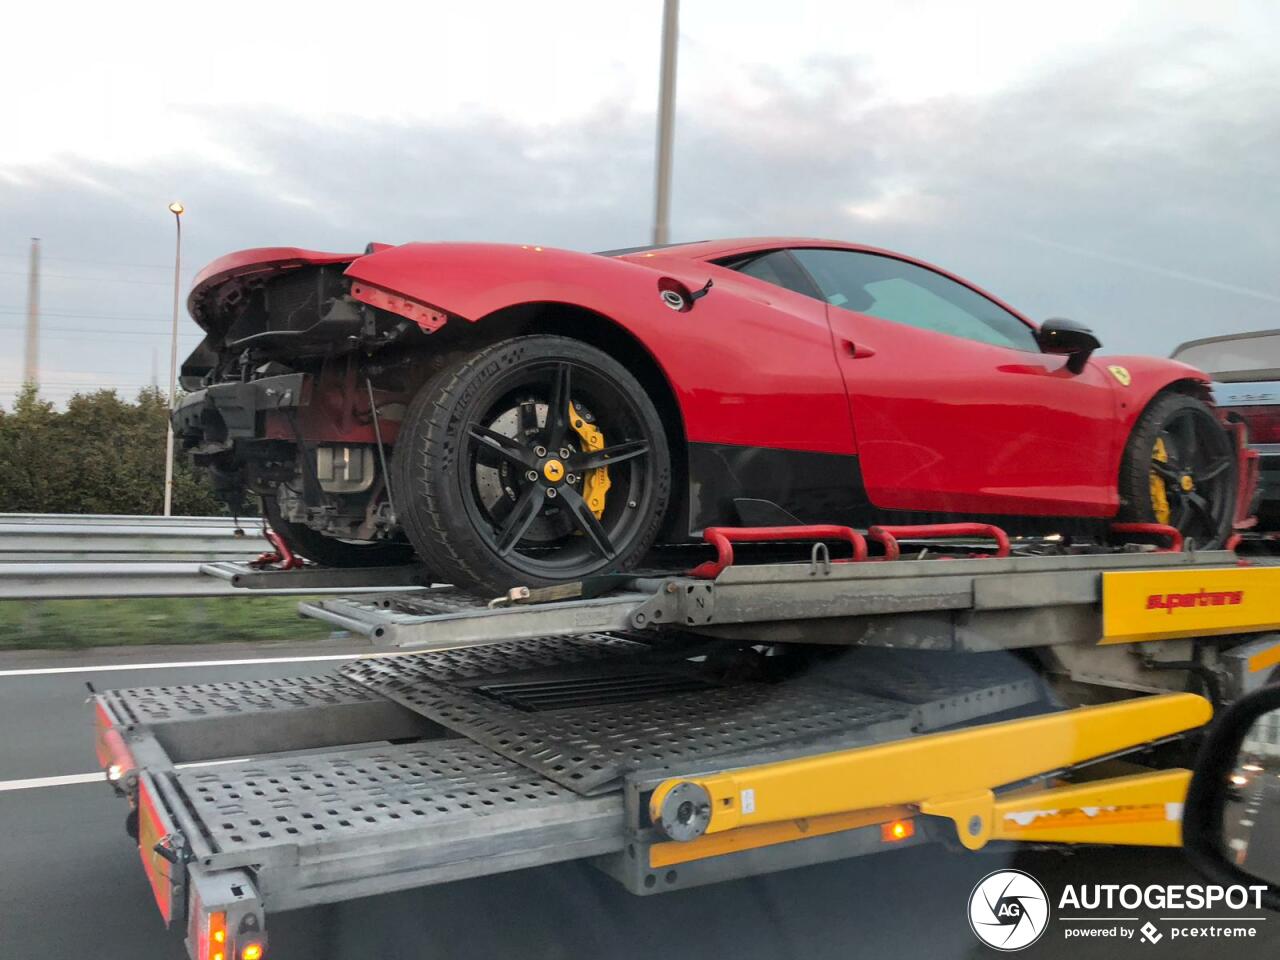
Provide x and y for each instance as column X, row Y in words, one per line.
column 1113, row 162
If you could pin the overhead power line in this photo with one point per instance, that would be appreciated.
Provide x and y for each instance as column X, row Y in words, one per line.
column 111, row 327
column 96, row 263
column 72, row 276
column 89, row 316
column 78, row 335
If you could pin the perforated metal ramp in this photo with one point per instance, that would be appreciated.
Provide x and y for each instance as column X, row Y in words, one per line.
column 195, row 701
column 187, row 723
column 254, row 805
column 352, row 822
column 588, row 744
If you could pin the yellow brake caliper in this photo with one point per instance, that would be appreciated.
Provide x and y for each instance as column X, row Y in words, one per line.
column 595, row 483
column 1159, row 493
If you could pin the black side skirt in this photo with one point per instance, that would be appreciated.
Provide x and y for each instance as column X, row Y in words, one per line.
column 760, row 486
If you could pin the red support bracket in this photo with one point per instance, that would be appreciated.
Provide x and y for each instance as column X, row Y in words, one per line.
column 723, row 539
column 888, row 537
column 1153, row 530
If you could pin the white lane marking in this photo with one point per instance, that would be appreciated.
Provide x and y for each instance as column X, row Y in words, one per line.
column 106, row 667
column 62, row 781
column 67, row 779
column 212, row 763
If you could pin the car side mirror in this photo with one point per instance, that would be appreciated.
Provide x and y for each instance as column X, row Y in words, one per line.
column 1231, row 822
column 1077, row 342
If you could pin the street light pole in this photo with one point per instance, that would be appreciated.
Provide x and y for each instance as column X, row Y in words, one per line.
column 31, row 361
column 177, row 210
column 666, row 120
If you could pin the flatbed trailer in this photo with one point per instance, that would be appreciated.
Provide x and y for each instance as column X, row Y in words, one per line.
column 677, row 730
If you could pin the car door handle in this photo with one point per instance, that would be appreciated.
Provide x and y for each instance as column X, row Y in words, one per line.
column 856, row 351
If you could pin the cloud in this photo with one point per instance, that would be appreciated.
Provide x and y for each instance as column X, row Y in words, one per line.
column 1130, row 188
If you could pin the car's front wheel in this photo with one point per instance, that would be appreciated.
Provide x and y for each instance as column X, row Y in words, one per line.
column 1180, row 469
column 534, row 461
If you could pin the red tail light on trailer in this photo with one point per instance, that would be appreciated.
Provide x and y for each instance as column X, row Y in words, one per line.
column 1263, row 422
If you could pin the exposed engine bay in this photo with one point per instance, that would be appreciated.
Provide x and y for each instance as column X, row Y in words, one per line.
column 292, row 363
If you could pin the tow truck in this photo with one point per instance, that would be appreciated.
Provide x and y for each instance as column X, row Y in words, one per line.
column 909, row 685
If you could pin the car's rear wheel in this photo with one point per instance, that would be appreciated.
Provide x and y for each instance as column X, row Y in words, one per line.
column 330, row 551
column 534, row 461
column 1179, row 469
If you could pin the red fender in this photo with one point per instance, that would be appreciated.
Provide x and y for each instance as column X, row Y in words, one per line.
column 745, row 369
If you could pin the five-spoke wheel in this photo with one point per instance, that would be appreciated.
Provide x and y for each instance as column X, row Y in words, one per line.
column 536, row 460
column 1180, row 470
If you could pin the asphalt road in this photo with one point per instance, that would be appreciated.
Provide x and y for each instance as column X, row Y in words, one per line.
column 1252, row 823
column 71, row 885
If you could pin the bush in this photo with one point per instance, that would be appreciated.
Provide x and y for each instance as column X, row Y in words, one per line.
column 103, row 454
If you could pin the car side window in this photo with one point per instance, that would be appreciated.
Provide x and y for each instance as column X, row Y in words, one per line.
column 895, row 290
column 776, row 267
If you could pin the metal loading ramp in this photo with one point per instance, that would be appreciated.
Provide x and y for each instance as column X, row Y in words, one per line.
column 399, row 771
column 344, row 823
column 585, row 712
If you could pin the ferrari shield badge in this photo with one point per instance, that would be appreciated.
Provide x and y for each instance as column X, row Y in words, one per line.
column 1121, row 374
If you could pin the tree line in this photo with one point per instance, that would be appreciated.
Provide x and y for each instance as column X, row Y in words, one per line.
column 101, row 454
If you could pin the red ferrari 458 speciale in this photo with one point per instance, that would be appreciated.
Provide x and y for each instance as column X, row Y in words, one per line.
column 514, row 414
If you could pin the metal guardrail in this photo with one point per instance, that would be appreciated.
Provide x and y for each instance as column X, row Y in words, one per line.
column 39, row 538
column 101, row 581
column 78, row 556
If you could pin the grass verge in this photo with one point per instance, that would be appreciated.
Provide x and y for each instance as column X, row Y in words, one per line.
column 92, row 623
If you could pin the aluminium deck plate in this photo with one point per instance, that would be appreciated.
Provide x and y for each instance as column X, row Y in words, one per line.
column 196, row 701
column 185, row 723
column 287, row 800
column 385, row 817
column 589, row 744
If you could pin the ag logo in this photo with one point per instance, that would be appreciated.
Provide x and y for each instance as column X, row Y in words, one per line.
column 1121, row 374
column 1008, row 910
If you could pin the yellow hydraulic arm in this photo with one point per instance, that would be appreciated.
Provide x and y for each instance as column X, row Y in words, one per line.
column 954, row 775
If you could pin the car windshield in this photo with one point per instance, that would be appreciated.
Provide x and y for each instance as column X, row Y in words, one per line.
column 1247, row 356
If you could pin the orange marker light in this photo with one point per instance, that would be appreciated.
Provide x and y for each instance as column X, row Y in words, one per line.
column 251, row 951
column 214, row 946
column 897, row 830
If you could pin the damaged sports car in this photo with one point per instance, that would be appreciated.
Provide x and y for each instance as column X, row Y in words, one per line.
column 513, row 414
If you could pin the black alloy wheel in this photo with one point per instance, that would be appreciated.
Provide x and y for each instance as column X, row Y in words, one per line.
column 537, row 460
column 1180, row 470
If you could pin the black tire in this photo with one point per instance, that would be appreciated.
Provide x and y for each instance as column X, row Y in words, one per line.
column 1196, row 478
column 330, row 551
column 486, row 509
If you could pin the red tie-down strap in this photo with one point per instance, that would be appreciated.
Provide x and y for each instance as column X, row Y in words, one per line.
column 723, row 539
column 282, row 558
column 888, row 537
